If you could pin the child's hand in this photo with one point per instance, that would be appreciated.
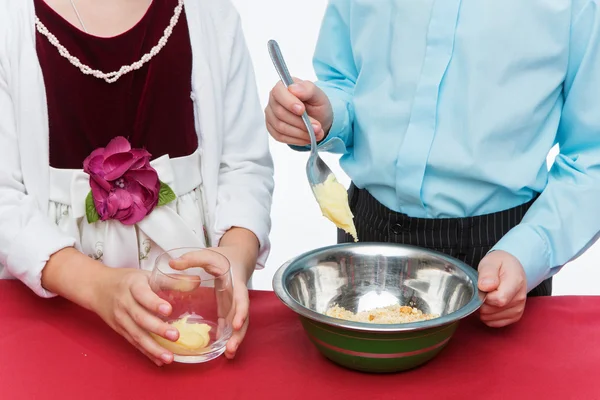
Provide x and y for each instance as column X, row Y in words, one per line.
column 286, row 106
column 502, row 276
column 238, row 314
column 125, row 301
column 233, row 302
column 241, row 305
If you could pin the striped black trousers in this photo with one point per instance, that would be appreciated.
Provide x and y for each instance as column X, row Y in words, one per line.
column 467, row 239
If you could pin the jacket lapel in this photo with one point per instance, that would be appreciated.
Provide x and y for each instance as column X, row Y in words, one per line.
column 207, row 101
column 32, row 110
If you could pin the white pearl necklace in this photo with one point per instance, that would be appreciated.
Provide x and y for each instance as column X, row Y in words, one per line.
column 111, row 77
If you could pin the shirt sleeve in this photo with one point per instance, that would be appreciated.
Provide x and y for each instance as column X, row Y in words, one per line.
column 565, row 219
column 27, row 236
column 336, row 72
column 246, row 180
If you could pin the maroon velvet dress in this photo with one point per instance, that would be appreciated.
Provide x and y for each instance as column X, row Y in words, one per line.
column 151, row 107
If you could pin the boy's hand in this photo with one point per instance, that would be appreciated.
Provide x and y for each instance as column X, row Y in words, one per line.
column 284, row 112
column 502, row 276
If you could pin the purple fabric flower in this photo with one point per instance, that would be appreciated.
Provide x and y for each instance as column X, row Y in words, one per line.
column 124, row 185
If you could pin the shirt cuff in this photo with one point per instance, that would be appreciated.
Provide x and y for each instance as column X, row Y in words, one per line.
column 527, row 246
column 334, row 142
column 342, row 110
column 234, row 215
column 31, row 250
column 331, row 144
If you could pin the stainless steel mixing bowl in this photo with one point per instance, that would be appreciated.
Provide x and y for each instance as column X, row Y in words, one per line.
column 363, row 276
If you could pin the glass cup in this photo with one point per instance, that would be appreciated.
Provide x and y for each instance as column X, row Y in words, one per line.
column 197, row 283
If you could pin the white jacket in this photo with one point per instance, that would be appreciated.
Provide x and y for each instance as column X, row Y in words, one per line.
column 237, row 169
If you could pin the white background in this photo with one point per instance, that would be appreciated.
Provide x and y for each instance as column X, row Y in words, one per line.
column 297, row 222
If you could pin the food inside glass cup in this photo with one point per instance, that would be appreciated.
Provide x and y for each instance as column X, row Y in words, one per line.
column 197, row 283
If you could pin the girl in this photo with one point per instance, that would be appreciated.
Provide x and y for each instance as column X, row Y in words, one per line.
column 128, row 127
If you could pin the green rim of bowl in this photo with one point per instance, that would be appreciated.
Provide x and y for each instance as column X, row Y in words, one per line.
column 285, row 271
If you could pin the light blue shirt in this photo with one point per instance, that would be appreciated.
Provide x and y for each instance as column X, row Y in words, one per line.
column 448, row 108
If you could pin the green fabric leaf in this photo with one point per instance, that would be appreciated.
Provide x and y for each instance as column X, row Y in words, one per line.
column 90, row 209
column 165, row 195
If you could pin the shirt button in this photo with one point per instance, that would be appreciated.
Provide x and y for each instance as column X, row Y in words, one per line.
column 396, row 229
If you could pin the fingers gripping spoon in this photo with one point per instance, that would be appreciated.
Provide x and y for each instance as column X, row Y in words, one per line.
column 329, row 193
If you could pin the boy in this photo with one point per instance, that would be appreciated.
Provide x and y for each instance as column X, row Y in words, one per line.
column 445, row 112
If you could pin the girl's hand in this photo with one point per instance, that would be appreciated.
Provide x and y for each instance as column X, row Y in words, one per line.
column 242, row 262
column 232, row 301
column 124, row 300
column 241, row 304
column 122, row 297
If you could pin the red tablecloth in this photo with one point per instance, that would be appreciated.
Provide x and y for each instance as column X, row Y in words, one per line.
column 51, row 349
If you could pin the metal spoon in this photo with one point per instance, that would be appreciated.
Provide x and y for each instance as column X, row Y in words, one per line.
column 316, row 169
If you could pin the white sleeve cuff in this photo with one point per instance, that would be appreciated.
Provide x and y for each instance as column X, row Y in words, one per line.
column 31, row 249
column 230, row 215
